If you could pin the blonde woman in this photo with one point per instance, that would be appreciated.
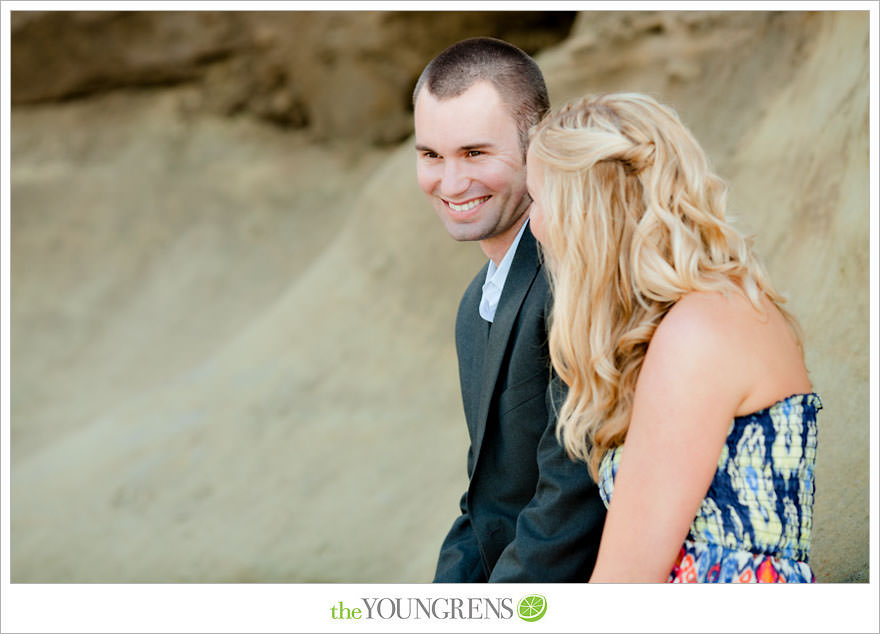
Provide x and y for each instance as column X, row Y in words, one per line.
column 688, row 395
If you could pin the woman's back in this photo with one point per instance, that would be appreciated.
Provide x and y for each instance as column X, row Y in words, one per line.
column 721, row 391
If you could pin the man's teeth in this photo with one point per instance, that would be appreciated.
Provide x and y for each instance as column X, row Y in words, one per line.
column 468, row 205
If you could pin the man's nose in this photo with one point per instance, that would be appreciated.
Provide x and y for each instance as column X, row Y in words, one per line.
column 455, row 179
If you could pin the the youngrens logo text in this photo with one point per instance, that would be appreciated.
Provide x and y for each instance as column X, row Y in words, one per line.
column 529, row 608
column 434, row 608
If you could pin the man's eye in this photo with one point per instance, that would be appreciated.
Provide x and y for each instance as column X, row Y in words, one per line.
column 430, row 155
column 473, row 153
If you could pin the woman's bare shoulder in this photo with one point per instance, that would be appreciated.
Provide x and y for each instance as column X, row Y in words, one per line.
column 706, row 318
column 754, row 350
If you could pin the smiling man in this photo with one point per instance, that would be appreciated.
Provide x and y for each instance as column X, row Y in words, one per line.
column 470, row 164
column 529, row 512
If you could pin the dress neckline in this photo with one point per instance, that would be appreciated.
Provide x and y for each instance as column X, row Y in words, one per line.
column 801, row 396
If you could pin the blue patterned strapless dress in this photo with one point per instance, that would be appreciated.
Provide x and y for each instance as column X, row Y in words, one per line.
column 755, row 522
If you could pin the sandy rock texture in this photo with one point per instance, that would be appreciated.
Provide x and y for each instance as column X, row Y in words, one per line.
column 232, row 309
column 343, row 74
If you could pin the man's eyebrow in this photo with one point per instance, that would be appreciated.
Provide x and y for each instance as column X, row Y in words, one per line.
column 478, row 145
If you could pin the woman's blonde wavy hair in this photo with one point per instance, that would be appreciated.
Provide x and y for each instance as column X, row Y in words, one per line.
column 634, row 218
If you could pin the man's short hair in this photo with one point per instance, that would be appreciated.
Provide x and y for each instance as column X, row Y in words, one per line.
column 514, row 74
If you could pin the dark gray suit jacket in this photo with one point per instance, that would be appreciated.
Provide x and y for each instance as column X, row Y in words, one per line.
column 529, row 513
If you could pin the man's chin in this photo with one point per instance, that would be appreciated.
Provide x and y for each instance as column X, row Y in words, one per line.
column 461, row 233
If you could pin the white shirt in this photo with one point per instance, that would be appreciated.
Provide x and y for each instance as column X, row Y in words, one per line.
column 495, row 278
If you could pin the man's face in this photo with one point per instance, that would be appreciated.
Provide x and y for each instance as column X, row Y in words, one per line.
column 470, row 164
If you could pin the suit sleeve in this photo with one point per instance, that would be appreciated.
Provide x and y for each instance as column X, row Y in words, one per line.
column 460, row 560
column 558, row 532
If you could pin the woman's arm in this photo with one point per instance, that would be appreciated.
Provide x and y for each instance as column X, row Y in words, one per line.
column 695, row 375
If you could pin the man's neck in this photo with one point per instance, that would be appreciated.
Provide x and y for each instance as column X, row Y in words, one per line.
column 496, row 247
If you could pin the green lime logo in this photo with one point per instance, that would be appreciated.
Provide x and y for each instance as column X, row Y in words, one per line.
column 532, row 607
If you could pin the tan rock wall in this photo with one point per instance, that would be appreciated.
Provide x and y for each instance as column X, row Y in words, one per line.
column 343, row 74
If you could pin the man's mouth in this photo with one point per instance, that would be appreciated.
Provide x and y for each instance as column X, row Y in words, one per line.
column 466, row 206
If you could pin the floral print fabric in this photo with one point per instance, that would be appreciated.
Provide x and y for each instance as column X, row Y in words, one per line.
column 702, row 562
column 755, row 523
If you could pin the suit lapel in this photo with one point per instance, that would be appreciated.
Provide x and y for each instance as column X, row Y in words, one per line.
column 519, row 280
column 472, row 358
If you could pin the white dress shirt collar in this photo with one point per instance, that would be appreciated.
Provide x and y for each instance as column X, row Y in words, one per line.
column 495, row 278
